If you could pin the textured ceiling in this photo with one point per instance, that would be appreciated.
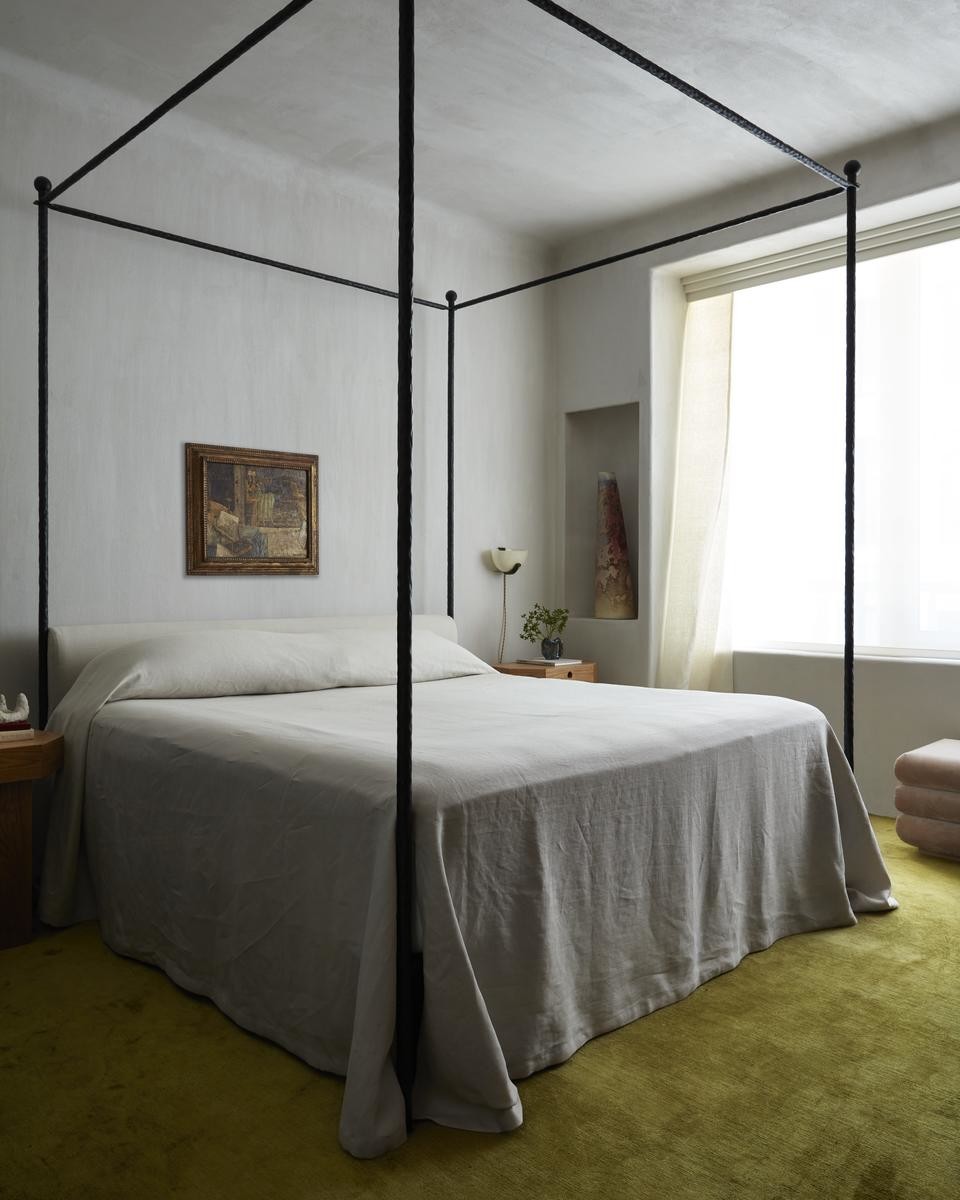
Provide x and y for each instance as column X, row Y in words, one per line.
column 521, row 121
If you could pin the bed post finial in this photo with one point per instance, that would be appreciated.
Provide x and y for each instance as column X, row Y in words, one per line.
column 851, row 168
column 451, row 298
column 43, row 185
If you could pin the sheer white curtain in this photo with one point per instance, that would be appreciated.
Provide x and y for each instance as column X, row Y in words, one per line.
column 694, row 641
column 787, row 466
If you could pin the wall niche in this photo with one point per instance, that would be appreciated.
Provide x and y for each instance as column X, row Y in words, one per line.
column 597, row 439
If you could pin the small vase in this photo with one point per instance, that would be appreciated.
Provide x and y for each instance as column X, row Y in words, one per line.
column 551, row 647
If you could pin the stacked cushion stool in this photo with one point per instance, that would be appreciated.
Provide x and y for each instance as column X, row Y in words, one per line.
column 928, row 798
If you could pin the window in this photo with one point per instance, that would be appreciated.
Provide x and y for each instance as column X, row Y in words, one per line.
column 786, row 458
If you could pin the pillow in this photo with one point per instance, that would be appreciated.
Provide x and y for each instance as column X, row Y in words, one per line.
column 239, row 662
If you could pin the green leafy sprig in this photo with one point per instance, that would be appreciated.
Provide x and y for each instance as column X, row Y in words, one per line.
column 540, row 623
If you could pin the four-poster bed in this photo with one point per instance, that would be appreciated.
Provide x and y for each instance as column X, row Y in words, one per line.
column 408, row 997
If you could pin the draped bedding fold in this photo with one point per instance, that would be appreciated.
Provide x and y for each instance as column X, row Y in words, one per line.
column 584, row 854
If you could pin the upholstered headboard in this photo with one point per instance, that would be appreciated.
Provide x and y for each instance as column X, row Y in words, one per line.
column 71, row 647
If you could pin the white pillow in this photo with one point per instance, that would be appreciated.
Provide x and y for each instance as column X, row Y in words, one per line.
column 239, row 662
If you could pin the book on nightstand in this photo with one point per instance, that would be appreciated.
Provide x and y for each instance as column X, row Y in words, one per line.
column 14, row 731
column 551, row 662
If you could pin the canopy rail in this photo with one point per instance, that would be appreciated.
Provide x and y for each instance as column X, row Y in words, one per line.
column 224, row 61
column 241, row 254
column 650, row 247
column 681, row 85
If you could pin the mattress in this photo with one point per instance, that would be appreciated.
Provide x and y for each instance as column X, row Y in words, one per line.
column 585, row 854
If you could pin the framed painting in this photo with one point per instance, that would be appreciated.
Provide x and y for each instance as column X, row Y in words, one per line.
column 250, row 512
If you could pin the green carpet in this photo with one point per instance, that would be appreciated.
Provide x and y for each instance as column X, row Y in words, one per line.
column 826, row 1067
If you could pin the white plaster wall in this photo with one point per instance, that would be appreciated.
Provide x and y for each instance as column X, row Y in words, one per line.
column 596, row 314
column 900, row 704
column 153, row 345
column 619, row 336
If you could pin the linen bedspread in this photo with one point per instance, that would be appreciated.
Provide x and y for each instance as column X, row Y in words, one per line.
column 585, row 854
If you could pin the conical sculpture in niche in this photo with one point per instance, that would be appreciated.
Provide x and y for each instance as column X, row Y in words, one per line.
column 613, row 586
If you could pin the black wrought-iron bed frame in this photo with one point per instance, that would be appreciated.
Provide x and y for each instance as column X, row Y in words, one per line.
column 409, row 981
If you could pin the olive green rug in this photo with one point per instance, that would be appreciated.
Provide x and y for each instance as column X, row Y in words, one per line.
column 825, row 1067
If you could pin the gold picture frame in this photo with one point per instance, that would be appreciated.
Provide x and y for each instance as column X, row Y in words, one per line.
column 250, row 512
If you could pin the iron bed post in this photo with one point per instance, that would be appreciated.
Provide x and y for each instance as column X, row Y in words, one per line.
column 451, row 298
column 852, row 170
column 43, row 186
column 406, row 1017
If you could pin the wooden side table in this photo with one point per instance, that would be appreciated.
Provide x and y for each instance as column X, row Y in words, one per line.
column 20, row 763
column 586, row 672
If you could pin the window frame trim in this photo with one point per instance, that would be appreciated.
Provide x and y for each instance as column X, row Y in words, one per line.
column 895, row 238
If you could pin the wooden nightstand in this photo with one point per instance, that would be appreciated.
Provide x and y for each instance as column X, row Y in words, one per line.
column 20, row 763
column 586, row 672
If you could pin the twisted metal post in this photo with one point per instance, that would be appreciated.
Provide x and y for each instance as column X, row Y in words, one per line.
column 451, row 299
column 43, row 185
column 852, row 169
column 406, row 1007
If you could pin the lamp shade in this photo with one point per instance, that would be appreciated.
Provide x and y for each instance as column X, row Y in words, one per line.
column 508, row 561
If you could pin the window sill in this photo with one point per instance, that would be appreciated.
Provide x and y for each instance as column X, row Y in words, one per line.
column 873, row 653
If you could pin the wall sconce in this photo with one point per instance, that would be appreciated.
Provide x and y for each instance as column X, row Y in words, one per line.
column 507, row 562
